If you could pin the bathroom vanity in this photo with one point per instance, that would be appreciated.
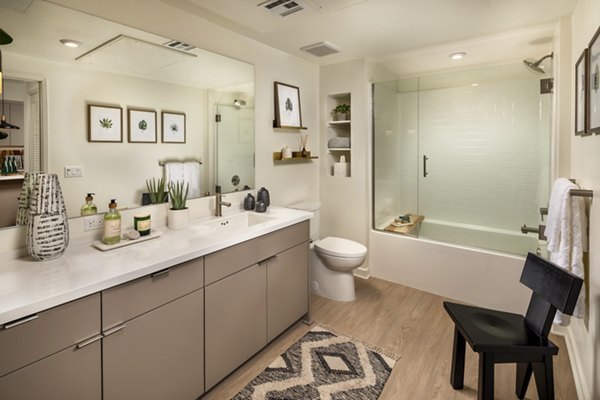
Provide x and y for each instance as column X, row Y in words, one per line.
column 167, row 318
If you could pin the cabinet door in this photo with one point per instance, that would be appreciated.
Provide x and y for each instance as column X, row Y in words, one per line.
column 287, row 289
column 236, row 321
column 72, row 374
column 158, row 355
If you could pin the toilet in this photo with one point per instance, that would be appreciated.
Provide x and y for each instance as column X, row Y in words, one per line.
column 332, row 259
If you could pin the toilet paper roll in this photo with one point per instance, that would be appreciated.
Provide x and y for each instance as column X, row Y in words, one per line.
column 341, row 169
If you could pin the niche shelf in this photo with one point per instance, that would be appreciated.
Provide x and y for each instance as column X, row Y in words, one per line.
column 338, row 129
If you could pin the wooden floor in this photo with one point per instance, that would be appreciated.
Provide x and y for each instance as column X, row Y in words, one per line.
column 412, row 324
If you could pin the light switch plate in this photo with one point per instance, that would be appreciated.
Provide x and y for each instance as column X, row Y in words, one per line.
column 74, row 171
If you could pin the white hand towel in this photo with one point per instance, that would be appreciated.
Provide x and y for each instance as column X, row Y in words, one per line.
column 192, row 176
column 174, row 172
column 566, row 231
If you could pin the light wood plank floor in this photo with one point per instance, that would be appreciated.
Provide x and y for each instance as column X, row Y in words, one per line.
column 412, row 324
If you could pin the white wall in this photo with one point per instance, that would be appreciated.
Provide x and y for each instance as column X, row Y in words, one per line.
column 584, row 166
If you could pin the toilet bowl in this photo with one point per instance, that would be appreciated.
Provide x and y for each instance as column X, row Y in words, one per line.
column 332, row 260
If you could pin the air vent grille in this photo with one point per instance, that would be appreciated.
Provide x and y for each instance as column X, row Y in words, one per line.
column 176, row 44
column 321, row 49
column 282, row 8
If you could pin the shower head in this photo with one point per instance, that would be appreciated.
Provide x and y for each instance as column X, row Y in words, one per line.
column 239, row 103
column 536, row 64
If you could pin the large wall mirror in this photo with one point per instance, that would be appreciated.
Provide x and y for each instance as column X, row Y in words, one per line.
column 52, row 86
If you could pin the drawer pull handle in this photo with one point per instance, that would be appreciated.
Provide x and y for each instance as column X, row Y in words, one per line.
column 114, row 330
column 266, row 260
column 162, row 272
column 21, row 321
column 89, row 341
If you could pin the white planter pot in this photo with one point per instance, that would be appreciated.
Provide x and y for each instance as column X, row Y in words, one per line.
column 178, row 219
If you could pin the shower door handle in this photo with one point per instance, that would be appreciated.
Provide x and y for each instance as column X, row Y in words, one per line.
column 425, row 173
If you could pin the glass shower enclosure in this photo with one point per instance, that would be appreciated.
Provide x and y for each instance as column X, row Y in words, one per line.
column 467, row 152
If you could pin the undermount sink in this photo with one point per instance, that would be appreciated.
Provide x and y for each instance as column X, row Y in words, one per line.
column 238, row 221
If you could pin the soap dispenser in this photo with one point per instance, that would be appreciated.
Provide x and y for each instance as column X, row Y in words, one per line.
column 112, row 224
column 89, row 208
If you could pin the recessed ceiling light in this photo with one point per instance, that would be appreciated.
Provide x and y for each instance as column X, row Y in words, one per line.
column 70, row 43
column 458, row 55
column 474, row 84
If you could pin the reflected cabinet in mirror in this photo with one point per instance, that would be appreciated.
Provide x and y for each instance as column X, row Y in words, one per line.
column 166, row 102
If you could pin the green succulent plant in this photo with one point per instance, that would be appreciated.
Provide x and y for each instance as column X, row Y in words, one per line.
column 156, row 190
column 106, row 123
column 341, row 109
column 178, row 195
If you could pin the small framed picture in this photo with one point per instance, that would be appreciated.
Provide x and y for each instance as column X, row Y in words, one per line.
column 173, row 127
column 105, row 123
column 142, row 126
column 593, row 70
column 581, row 95
column 287, row 106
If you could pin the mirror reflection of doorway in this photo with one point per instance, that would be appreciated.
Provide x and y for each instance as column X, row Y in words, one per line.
column 234, row 147
column 20, row 149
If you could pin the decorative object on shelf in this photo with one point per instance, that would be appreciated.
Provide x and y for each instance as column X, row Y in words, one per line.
column 142, row 126
column 581, row 88
column 341, row 112
column 249, row 202
column 263, row 195
column 338, row 143
column 341, row 168
column 141, row 224
column 47, row 234
column 112, row 225
column 173, row 127
column 287, row 106
column 156, row 190
column 178, row 215
column 593, row 90
column 303, row 143
column 261, row 207
column 105, row 123
column 286, row 153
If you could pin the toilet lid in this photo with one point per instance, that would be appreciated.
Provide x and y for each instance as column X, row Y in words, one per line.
column 339, row 247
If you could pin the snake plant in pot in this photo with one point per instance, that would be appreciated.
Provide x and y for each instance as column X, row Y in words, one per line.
column 178, row 215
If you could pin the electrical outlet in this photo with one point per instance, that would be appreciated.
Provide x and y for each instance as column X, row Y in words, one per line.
column 92, row 222
column 75, row 171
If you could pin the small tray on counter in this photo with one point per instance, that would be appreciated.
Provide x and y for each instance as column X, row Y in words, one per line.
column 126, row 242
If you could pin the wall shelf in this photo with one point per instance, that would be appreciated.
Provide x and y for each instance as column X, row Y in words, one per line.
column 288, row 127
column 336, row 130
column 339, row 149
column 344, row 122
column 296, row 157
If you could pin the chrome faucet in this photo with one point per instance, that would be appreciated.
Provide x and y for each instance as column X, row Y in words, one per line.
column 219, row 202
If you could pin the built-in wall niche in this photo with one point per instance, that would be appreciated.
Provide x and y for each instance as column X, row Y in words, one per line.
column 339, row 133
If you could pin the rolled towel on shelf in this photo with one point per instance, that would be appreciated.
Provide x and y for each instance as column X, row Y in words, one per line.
column 339, row 142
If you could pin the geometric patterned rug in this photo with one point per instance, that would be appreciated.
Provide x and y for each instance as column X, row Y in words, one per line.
column 322, row 366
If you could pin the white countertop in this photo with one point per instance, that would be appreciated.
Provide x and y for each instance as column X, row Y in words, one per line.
column 28, row 286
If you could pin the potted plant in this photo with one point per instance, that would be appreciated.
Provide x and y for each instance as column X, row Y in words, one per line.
column 341, row 112
column 178, row 215
column 156, row 190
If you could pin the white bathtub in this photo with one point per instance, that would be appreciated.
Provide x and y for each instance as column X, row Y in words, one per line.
column 463, row 270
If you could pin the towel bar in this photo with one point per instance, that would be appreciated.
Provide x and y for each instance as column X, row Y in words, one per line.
column 582, row 193
column 162, row 163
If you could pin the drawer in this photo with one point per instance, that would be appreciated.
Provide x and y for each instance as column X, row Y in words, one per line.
column 129, row 300
column 228, row 261
column 48, row 332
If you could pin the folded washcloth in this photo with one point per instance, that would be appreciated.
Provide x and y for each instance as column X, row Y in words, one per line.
column 339, row 142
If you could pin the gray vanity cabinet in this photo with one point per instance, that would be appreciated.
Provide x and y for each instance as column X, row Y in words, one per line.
column 53, row 355
column 153, row 345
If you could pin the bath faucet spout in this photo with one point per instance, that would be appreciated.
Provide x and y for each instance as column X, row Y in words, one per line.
column 220, row 203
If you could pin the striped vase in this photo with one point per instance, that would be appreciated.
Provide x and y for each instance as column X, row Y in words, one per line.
column 47, row 234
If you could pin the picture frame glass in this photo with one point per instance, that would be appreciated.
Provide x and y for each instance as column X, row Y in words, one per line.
column 173, row 127
column 581, row 94
column 288, row 106
column 594, row 84
column 105, row 124
column 142, row 126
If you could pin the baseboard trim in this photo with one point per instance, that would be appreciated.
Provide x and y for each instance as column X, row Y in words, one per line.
column 583, row 392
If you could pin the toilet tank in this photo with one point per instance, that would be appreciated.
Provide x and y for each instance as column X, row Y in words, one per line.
column 314, row 207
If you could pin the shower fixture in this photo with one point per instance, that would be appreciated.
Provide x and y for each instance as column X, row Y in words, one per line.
column 536, row 65
column 239, row 103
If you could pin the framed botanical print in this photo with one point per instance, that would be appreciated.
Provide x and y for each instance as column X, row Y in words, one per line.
column 105, row 123
column 593, row 104
column 287, row 106
column 173, row 127
column 581, row 89
column 142, row 126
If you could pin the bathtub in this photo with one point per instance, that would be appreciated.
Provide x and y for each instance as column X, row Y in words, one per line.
column 454, row 261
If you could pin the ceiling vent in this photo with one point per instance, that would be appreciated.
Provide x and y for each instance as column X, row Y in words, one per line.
column 282, row 8
column 321, row 49
column 177, row 45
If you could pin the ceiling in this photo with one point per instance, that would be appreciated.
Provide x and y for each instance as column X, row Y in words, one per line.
column 377, row 29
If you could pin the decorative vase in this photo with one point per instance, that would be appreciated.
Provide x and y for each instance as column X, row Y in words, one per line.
column 25, row 197
column 47, row 234
column 178, row 219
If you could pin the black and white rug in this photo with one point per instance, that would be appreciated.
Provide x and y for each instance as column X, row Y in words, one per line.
column 322, row 366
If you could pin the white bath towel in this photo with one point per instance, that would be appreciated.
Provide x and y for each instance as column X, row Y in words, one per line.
column 186, row 172
column 566, row 231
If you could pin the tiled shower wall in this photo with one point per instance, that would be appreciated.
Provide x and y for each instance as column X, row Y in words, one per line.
column 488, row 148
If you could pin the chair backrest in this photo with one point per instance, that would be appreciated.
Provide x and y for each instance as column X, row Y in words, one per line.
column 553, row 288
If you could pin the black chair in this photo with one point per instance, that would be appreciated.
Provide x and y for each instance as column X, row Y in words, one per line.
column 501, row 337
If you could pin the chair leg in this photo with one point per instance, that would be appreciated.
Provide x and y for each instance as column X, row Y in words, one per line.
column 485, row 389
column 457, row 373
column 544, row 378
column 524, row 371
